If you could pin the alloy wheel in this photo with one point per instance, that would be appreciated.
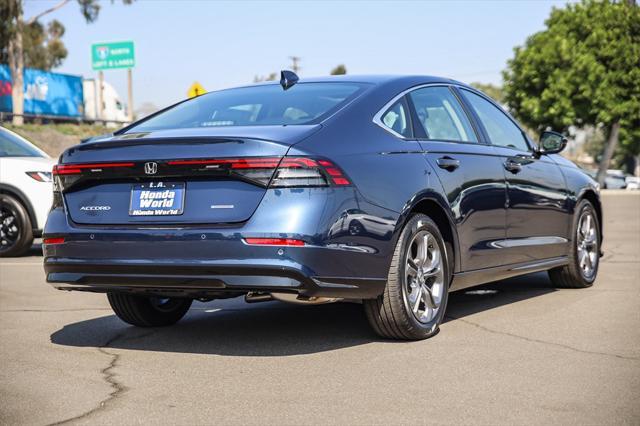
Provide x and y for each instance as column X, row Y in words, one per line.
column 587, row 243
column 424, row 277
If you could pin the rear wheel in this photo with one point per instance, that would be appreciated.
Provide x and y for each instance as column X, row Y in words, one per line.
column 143, row 311
column 584, row 257
column 16, row 233
column 414, row 301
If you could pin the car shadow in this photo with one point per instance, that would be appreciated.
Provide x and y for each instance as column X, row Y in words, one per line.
column 233, row 328
column 500, row 293
column 35, row 249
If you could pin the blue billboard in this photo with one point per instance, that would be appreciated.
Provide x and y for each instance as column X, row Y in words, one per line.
column 45, row 93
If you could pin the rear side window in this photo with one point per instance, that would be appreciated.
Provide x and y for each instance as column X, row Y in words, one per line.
column 501, row 130
column 303, row 103
column 397, row 119
column 441, row 115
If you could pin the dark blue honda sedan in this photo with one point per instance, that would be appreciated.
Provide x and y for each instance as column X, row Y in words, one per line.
column 390, row 190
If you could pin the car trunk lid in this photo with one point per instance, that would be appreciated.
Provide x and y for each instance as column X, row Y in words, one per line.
column 170, row 177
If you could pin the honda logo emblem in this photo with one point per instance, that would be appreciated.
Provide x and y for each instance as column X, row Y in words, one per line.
column 151, row 168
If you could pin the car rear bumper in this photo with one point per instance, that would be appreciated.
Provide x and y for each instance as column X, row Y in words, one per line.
column 202, row 260
column 202, row 279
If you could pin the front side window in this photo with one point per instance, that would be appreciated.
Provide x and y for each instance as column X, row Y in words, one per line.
column 501, row 130
column 265, row 105
column 396, row 118
column 14, row 146
column 441, row 115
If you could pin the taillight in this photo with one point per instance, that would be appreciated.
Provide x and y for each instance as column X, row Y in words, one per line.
column 275, row 172
column 76, row 169
column 65, row 175
column 40, row 176
column 256, row 169
column 303, row 171
column 272, row 172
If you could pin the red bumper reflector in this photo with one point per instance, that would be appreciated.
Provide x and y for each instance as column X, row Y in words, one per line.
column 58, row 240
column 273, row 242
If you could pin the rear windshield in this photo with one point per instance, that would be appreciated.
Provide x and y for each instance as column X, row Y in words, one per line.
column 14, row 146
column 303, row 103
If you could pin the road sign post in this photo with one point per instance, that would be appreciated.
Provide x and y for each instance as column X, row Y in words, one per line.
column 114, row 55
column 100, row 105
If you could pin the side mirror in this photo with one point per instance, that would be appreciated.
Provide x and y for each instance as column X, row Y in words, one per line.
column 551, row 143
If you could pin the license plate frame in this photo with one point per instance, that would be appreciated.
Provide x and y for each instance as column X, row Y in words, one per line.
column 178, row 189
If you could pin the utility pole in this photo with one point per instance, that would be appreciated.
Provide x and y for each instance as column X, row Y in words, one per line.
column 294, row 63
column 100, row 95
column 130, row 94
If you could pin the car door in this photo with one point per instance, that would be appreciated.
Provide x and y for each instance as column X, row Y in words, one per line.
column 537, row 220
column 470, row 174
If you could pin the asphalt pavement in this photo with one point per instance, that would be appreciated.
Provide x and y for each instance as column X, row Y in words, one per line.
column 513, row 352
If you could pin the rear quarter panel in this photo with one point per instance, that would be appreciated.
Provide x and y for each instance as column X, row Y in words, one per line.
column 390, row 175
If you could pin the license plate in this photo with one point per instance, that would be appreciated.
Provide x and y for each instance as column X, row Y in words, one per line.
column 157, row 199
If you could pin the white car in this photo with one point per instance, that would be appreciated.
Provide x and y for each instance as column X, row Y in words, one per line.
column 633, row 182
column 25, row 192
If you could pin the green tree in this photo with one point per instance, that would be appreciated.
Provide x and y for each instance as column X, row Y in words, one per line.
column 339, row 70
column 583, row 69
column 21, row 42
column 493, row 91
column 43, row 48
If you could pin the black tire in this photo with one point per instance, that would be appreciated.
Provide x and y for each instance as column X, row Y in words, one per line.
column 143, row 311
column 16, row 232
column 573, row 275
column 390, row 314
column 356, row 228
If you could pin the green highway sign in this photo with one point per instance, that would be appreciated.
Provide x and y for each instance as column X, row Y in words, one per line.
column 106, row 56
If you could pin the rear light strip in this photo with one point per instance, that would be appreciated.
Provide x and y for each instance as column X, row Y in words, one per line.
column 234, row 163
column 274, row 242
column 75, row 169
column 275, row 172
column 256, row 163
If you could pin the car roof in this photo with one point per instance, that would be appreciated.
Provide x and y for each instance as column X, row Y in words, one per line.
column 376, row 79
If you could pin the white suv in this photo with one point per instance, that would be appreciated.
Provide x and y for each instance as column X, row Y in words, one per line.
column 25, row 193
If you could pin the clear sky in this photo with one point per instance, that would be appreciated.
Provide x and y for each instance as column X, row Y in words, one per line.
column 226, row 43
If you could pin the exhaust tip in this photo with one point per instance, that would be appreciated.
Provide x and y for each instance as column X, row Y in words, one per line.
column 257, row 297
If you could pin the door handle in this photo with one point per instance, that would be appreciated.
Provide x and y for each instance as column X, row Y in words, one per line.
column 448, row 163
column 512, row 166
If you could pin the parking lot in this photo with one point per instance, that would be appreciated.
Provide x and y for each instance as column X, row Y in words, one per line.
column 516, row 351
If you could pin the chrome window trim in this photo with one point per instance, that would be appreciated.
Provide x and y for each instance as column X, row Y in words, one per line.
column 507, row 114
column 377, row 118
